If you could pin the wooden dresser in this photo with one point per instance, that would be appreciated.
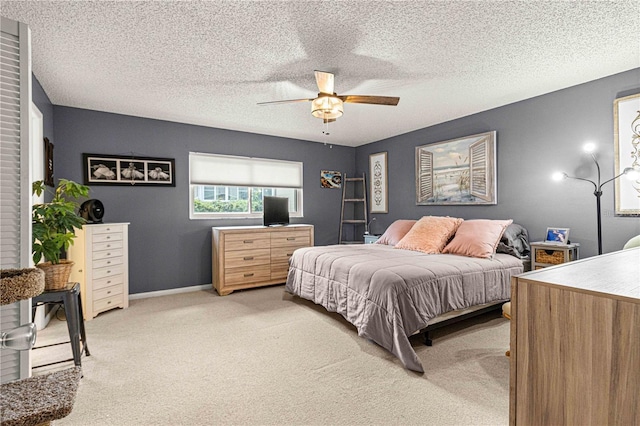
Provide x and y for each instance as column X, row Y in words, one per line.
column 254, row 256
column 101, row 256
column 575, row 343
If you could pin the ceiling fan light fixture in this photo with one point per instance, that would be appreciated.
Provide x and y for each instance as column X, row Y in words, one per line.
column 327, row 107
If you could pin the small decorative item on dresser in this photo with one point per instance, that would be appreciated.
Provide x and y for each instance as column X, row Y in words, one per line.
column 545, row 254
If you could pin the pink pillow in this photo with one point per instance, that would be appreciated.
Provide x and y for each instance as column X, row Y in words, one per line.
column 430, row 234
column 396, row 231
column 477, row 238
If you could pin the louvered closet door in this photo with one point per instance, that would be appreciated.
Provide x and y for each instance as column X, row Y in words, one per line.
column 481, row 164
column 15, row 188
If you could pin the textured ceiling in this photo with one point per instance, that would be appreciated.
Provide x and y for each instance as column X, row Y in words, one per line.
column 211, row 62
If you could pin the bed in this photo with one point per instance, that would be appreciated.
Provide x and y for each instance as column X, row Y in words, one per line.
column 390, row 293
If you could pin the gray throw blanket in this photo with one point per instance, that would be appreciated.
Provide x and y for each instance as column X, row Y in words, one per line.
column 390, row 294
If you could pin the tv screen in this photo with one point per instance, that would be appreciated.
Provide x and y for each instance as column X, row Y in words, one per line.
column 275, row 211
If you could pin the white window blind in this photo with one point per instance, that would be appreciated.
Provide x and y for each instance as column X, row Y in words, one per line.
column 227, row 170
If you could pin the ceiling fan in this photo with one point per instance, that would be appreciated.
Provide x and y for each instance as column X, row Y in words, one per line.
column 328, row 105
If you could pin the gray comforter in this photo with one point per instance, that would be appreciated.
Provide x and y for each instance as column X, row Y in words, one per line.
column 389, row 294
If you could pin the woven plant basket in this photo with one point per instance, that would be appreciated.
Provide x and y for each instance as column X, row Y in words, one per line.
column 56, row 276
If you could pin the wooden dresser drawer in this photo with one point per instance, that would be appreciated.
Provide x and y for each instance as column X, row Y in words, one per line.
column 107, row 254
column 107, row 229
column 279, row 272
column 233, row 242
column 109, row 261
column 107, row 272
column 107, row 292
column 109, row 245
column 280, row 256
column 108, row 282
column 237, row 276
column 241, row 258
column 290, row 239
column 103, row 238
column 108, row 303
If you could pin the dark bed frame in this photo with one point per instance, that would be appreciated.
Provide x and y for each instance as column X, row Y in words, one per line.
column 428, row 329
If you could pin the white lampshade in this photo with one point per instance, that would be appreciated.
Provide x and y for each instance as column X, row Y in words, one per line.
column 327, row 107
column 632, row 173
column 589, row 147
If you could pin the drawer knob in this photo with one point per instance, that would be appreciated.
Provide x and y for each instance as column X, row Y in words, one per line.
column 248, row 258
column 108, row 272
column 248, row 275
column 108, row 254
column 109, row 282
column 291, row 238
column 109, row 292
column 248, row 241
column 109, row 302
column 108, row 262
column 289, row 254
column 108, row 237
column 108, row 245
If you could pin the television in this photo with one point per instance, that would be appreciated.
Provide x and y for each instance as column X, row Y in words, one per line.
column 275, row 211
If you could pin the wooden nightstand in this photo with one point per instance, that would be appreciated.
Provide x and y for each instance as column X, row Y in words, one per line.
column 548, row 254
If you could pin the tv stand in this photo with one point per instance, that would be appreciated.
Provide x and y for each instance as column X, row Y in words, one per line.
column 254, row 256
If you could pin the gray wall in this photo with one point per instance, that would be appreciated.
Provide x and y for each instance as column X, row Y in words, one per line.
column 535, row 137
column 167, row 249
column 41, row 100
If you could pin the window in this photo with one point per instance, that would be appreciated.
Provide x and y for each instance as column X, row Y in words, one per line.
column 223, row 186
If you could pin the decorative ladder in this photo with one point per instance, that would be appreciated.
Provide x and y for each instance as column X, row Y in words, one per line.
column 356, row 199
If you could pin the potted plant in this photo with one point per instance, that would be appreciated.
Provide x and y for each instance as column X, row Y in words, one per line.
column 53, row 229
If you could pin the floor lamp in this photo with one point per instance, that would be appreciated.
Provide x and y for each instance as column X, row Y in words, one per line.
column 597, row 186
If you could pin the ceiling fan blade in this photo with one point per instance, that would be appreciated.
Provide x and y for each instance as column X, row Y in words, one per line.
column 289, row 101
column 376, row 100
column 325, row 81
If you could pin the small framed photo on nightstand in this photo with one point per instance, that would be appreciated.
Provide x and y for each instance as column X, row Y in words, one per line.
column 557, row 236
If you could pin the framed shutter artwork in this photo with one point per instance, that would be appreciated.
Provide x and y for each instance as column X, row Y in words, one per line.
column 424, row 171
column 457, row 172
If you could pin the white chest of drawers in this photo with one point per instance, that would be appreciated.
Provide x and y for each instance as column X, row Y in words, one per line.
column 101, row 256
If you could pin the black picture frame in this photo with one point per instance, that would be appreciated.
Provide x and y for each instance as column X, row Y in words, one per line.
column 48, row 162
column 104, row 169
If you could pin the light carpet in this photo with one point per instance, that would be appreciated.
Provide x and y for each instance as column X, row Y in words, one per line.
column 264, row 357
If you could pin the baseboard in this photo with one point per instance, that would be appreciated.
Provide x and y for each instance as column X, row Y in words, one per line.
column 169, row 292
column 44, row 314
